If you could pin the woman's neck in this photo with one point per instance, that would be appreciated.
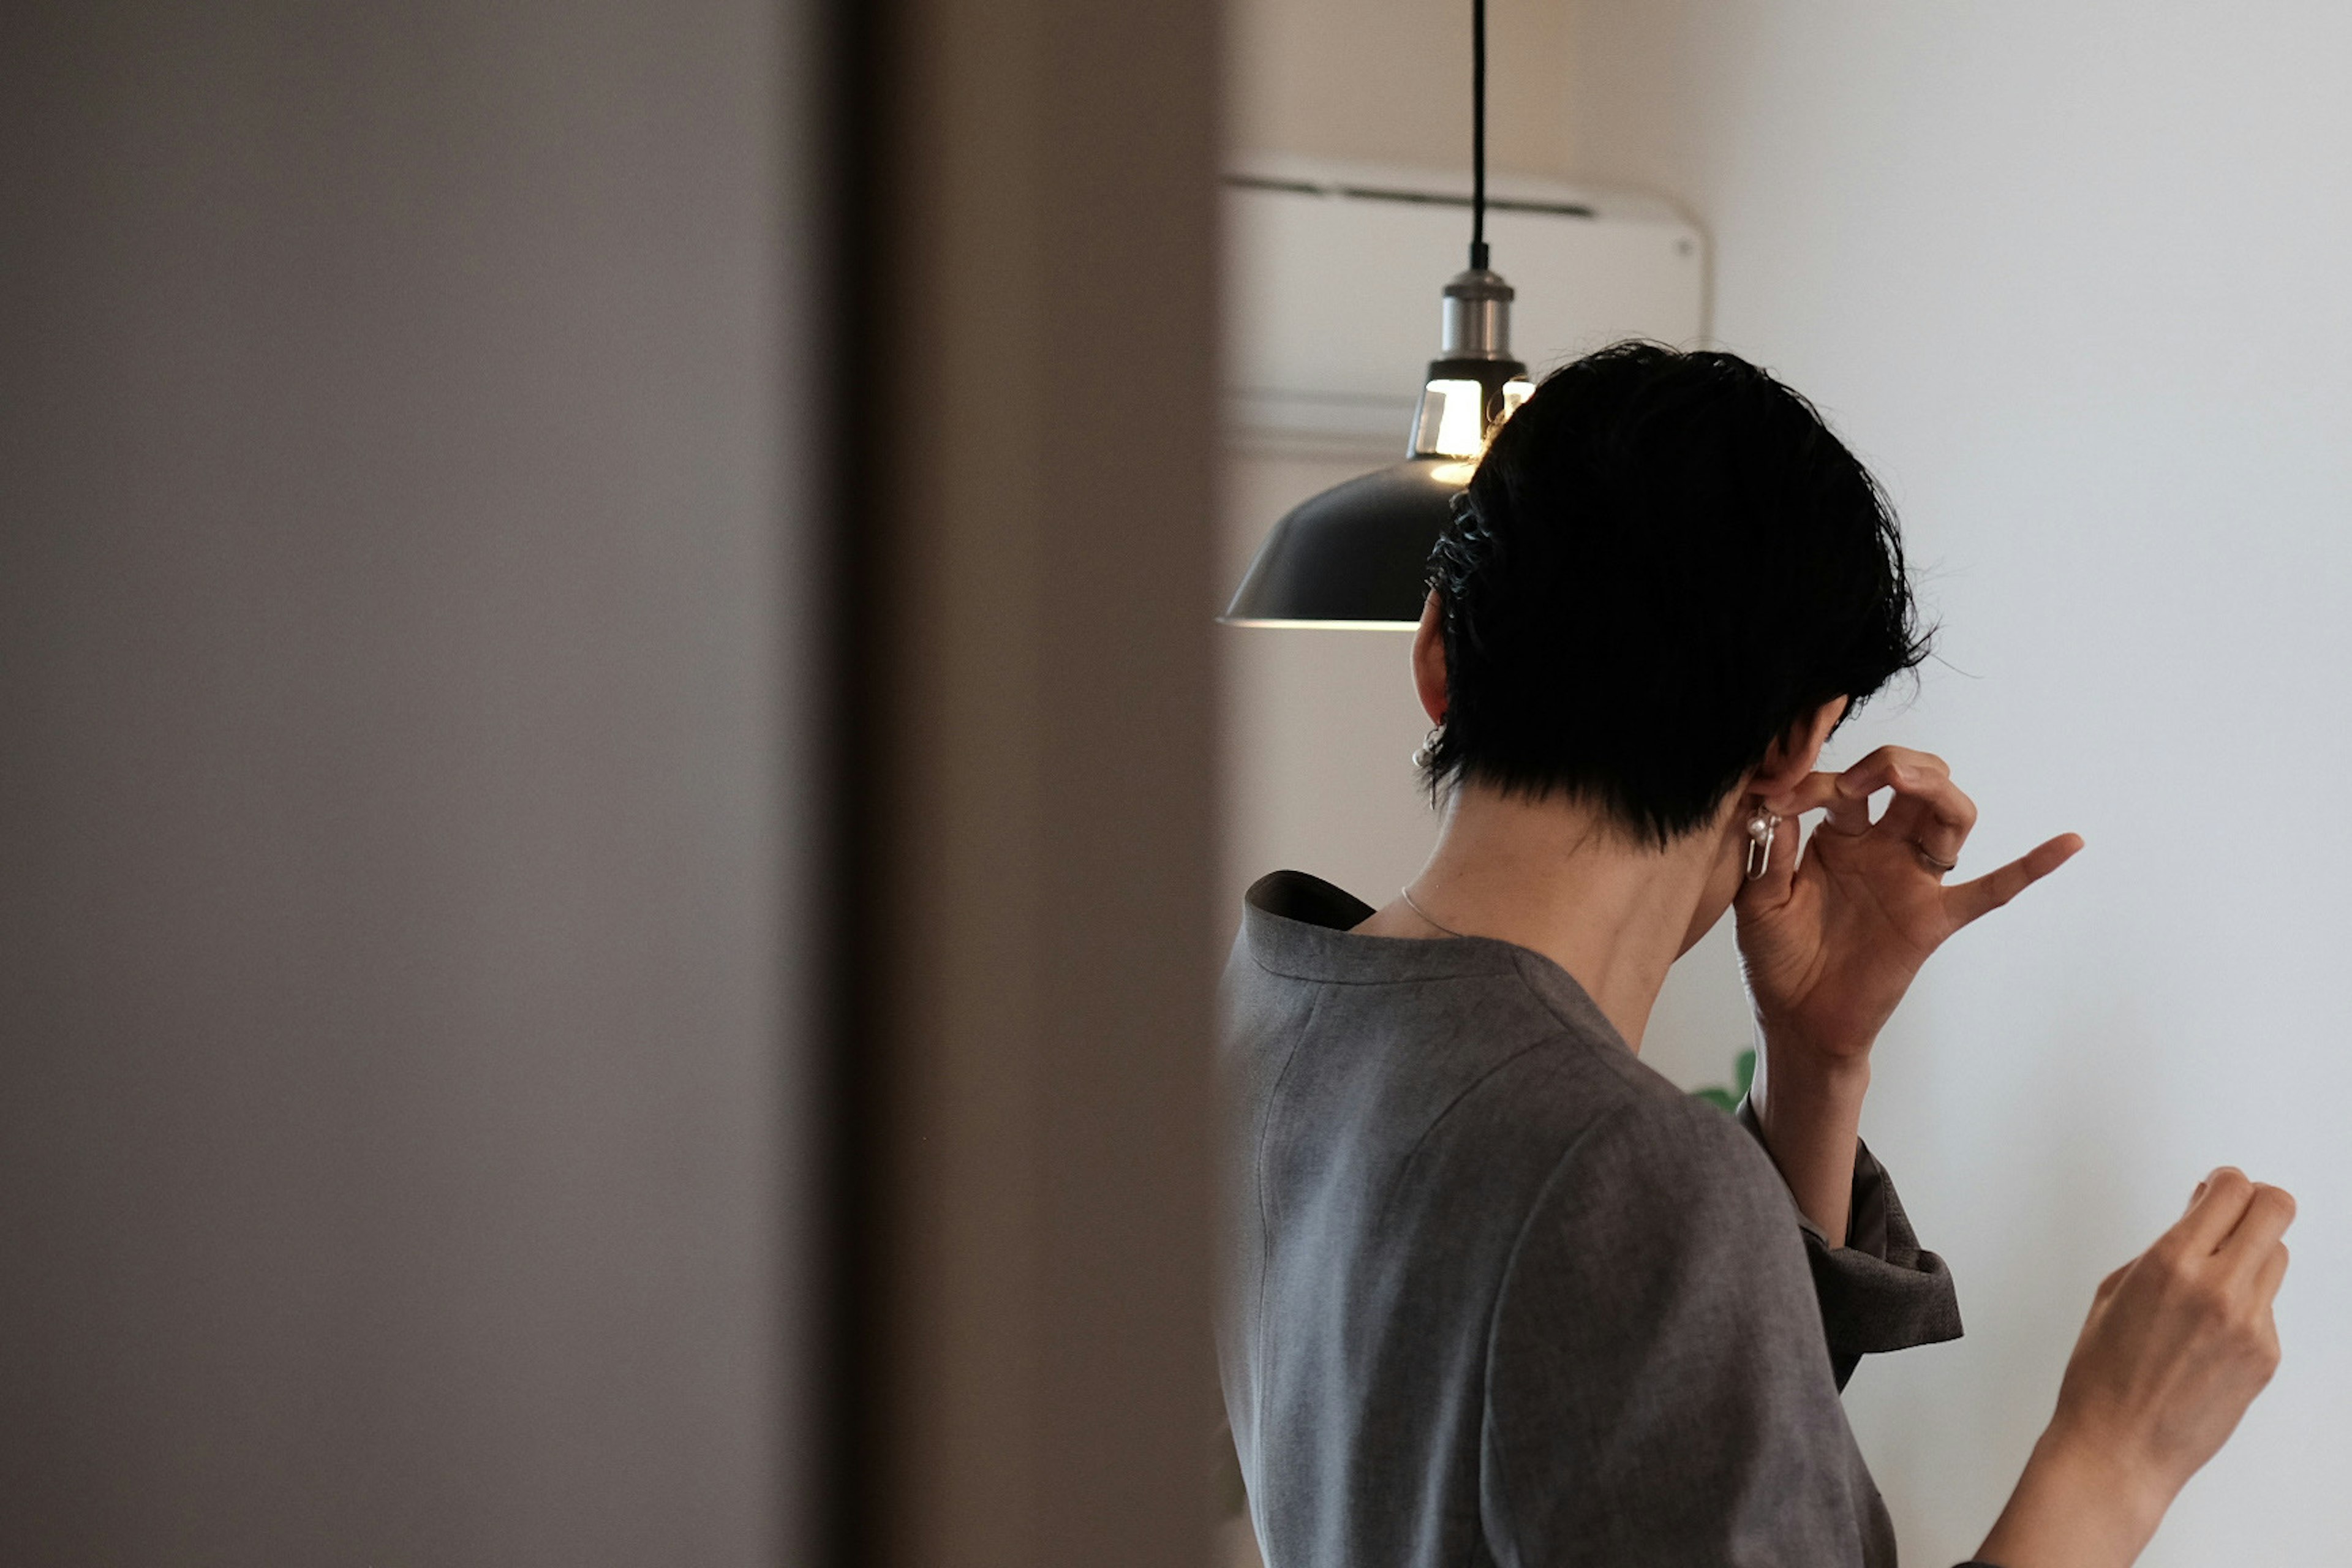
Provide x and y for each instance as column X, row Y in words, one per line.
column 1558, row 876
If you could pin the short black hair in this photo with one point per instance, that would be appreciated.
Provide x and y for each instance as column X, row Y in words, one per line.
column 1664, row 561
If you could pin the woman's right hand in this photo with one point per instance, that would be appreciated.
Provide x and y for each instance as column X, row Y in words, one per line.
column 2178, row 1343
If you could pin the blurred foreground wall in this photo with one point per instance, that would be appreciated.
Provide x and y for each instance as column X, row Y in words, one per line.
column 402, row 678
column 1034, row 508
column 605, row 784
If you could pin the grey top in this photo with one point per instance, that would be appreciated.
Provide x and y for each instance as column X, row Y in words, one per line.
column 1501, row 1294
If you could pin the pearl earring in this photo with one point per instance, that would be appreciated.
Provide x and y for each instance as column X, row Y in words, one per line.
column 1760, row 829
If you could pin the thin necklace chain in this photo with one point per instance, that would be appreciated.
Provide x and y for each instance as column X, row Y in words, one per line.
column 1406, row 893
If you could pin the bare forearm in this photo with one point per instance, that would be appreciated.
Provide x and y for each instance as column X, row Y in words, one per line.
column 1810, row 1114
column 2073, row 1507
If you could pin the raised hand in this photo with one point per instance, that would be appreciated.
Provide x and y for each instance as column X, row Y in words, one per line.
column 2178, row 1343
column 1830, row 941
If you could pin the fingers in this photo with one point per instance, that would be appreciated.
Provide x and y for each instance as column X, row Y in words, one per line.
column 1820, row 792
column 1872, row 774
column 2225, row 1198
column 1781, row 866
column 1811, row 793
column 1928, row 811
column 1973, row 900
column 1933, row 814
column 2268, row 1213
column 1849, row 803
column 1898, row 768
column 2238, row 1224
column 2271, row 1274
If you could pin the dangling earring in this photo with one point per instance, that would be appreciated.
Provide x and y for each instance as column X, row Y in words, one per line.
column 1426, row 752
column 1760, row 829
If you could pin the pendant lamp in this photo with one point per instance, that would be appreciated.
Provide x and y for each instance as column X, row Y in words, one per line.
column 1358, row 554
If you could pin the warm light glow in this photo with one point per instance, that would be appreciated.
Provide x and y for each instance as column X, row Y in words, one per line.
column 1452, row 422
column 1453, row 473
column 1453, row 408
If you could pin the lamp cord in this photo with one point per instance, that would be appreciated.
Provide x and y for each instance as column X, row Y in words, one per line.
column 1478, row 135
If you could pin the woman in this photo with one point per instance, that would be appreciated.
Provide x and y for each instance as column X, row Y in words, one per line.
column 1502, row 1294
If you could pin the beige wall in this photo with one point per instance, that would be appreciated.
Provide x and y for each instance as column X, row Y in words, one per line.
column 1041, row 787
column 1390, row 82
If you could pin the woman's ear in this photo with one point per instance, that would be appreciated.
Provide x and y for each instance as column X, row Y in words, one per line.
column 1429, row 659
column 1796, row 753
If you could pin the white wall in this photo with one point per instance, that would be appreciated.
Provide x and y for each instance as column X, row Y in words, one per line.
column 2072, row 278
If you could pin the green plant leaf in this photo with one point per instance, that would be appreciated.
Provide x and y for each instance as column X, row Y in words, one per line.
column 1743, row 1074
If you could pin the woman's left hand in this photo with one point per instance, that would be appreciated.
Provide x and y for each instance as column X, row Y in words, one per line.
column 1831, row 943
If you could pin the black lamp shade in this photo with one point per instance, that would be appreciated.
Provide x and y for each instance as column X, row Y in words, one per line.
column 1357, row 554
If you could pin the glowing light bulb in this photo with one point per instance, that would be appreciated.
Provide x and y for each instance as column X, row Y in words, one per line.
column 1453, row 422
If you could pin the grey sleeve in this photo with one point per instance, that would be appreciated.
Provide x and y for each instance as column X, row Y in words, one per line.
column 1657, row 1391
column 1881, row 1292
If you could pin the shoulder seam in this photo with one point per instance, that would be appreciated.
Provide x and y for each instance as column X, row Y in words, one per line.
column 1510, row 1267
column 1557, row 1037
column 1265, row 1219
column 1616, row 1115
column 1519, row 969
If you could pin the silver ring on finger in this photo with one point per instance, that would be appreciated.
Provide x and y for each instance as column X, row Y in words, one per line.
column 1942, row 868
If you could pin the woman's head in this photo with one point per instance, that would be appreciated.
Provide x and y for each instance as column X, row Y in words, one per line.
column 1664, row 563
